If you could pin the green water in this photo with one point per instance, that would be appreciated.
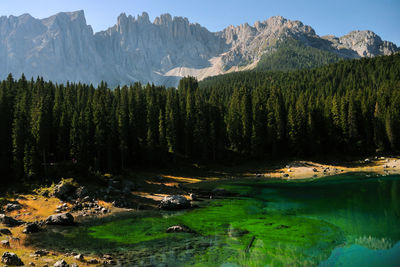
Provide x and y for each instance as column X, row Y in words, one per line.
column 347, row 220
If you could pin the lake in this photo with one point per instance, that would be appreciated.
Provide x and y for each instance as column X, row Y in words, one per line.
column 344, row 220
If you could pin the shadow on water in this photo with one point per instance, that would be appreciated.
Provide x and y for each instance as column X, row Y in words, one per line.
column 284, row 223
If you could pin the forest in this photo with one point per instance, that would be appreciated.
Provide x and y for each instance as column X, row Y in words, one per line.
column 351, row 107
column 291, row 54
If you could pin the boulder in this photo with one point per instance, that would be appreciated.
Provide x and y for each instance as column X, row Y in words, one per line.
column 11, row 259
column 81, row 192
column 5, row 231
column 174, row 202
column 77, row 207
column 13, row 206
column 93, row 261
column 31, row 228
column 60, row 219
column 41, row 253
column 109, row 262
column 63, row 190
column 179, row 229
column 61, row 263
column 79, row 257
column 9, row 221
column 107, row 257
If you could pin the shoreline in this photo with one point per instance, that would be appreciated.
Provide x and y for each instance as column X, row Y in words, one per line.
column 309, row 169
column 151, row 189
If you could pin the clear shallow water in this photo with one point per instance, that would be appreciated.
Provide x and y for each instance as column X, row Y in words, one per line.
column 347, row 220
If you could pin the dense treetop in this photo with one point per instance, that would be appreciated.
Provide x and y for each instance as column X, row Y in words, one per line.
column 351, row 107
column 293, row 55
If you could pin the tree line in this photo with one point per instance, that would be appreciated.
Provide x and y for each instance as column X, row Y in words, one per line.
column 351, row 107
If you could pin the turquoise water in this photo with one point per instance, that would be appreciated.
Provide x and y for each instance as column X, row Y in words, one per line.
column 347, row 220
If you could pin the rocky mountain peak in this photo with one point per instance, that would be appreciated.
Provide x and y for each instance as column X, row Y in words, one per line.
column 63, row 47
column 275, row 21
column 144, row 18
column 365, row 43
column 163, row 19
column 66, row 19
column 77, row 15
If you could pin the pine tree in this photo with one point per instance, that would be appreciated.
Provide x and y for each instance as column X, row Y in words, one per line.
column 234, row 122
column 123, row 125
column 247, row 119
column 261, row 122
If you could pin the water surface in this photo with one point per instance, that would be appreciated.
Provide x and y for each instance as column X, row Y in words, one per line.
column 346, row 220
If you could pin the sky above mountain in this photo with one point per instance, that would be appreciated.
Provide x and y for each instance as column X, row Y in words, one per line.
column 337, row 17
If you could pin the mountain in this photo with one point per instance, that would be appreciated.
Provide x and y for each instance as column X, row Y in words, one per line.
column 64, row 48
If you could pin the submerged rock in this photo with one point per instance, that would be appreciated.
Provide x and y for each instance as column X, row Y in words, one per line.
column 281, row 227
column 174, row 202
column 179, row 229
column 221, row 192
column 60, row 219
column 11, row 259
column 237, row 232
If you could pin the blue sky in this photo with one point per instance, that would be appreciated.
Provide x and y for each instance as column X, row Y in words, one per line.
column 327, row 17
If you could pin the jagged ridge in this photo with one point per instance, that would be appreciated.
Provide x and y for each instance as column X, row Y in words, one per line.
column 64, row 48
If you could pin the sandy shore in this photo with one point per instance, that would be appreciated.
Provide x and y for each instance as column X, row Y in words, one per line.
column 307, row 169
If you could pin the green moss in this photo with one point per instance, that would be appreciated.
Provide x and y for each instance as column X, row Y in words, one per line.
column 273, row 231
column 48, row 191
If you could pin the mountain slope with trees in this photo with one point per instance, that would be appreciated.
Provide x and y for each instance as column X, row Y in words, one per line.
column 293, row 55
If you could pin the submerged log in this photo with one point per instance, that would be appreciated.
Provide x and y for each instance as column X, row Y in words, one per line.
column 250, row 244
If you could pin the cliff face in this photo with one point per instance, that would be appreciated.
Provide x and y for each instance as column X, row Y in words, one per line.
column 59, row 48
column 64, row 48
column 136, row 49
